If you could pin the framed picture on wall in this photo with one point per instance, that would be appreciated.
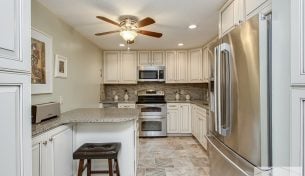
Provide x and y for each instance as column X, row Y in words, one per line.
column 61, row 66
column 41, row 62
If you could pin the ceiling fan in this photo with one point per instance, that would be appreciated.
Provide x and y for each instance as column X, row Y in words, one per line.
column 130, row 27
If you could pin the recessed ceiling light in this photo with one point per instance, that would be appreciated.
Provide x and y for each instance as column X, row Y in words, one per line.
column 122, row 45
column 180, row 44
column 192, row 26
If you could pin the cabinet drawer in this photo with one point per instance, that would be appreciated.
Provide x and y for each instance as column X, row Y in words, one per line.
column 123, row 105
column 172, row 106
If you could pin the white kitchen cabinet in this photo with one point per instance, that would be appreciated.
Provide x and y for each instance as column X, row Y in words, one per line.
column 171, row 67
column 199, row 120
column 150, row 58
column 15, row 31
column 128, row 67
column 176, row 67
column 144, row 58
column 111, row 67
column 231, row 14
column 297, row 128
column 157, row 57
column 251, row 5
column 206, row 65
column 127, row 105
column 52, row 152
column 186, row 120
column 120, row 67
column 182, row 67
column 297, row 42
column 179, row 118
column 195, row 66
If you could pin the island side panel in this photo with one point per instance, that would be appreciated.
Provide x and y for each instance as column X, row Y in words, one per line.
column 123, row 132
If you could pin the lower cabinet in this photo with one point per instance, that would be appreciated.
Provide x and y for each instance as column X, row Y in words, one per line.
column 199, row 124
column 179, row 118
column 52, row 152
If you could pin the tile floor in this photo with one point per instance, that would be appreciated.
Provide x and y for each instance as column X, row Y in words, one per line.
column 172, row 156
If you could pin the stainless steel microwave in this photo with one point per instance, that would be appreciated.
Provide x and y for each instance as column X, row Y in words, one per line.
column 151, row 73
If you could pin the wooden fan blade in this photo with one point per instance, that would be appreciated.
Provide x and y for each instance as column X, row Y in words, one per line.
column 108, row 20
column 104, row 33
column 150, row 33
column 145, row 22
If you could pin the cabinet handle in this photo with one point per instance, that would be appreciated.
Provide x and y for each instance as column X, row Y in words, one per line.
column 45, row 142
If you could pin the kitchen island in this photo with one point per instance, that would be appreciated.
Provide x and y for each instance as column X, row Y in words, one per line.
column 59, row 137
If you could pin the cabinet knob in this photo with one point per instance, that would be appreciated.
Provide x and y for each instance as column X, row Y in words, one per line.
column 45, row 142
column 51, row 139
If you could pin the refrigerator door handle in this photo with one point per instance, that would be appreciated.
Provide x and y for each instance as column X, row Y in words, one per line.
column 219, row 89
column 225, row 93
column 216, row 55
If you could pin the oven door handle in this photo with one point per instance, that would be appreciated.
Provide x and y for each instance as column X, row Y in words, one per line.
column 154, row 105
column 151, row 117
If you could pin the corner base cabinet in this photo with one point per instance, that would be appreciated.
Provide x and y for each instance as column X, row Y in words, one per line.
column 52, row 152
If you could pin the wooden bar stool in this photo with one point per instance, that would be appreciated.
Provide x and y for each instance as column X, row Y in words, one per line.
column 89, row 151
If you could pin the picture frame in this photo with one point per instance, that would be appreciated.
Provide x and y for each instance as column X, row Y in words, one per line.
column 41, row 62
column 61, row 67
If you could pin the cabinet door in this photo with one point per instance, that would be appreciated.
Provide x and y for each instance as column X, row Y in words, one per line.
column 186, row 122
column 60, row 153
column 227, row 18
column 297, row 42
column 144, row 58
column 251, row 5
column 182, row 67
column 206, row 65
column 111, row 67
column 128, row 67
column 15, row 126
column 173, row 121
column 193, row 113
column 204, row 132
column 171, row 67
column 15, row 35
column 39, row 156
column 157, row 57
column 195, row 66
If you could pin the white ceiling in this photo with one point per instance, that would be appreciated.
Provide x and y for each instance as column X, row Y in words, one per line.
column 172, row 19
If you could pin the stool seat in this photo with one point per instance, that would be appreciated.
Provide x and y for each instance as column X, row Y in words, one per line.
column 97, row 151
column 89, row 151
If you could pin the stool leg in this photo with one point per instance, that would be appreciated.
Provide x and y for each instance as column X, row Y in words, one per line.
column 88, row 167
column 110, row 167
column 80, row 167
column 117, row 167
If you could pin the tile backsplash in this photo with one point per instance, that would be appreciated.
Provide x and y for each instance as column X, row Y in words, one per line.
column 196, row 91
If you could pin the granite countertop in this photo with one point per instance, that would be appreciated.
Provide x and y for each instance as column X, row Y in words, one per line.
column 87, row 115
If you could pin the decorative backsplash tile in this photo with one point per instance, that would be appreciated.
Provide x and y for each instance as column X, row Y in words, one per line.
column 196, row 91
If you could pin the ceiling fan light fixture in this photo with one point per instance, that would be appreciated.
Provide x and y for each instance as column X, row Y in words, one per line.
column 128, row 35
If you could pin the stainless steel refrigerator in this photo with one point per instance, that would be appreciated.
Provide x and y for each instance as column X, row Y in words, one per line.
column 239, row 137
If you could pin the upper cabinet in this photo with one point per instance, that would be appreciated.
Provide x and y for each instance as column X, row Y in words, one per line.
column 120, row 67
column 252, row 5
column 128, row 67
column 171, row 69
column 235, row 12
column 15, row 35
column 151, row 58
column 231, row 15
column 195, row 66
column 176, row 67
column 297, row 42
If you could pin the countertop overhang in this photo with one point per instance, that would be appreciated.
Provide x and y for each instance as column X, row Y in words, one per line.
column 87, row 115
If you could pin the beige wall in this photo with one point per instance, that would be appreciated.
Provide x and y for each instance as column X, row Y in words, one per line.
column 82, row 87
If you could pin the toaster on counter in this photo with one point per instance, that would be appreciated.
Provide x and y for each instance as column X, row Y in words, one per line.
column 45, row 111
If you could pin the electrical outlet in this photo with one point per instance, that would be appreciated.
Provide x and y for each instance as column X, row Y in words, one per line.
column 61, row 100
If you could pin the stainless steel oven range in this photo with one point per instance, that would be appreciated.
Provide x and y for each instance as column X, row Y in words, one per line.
column 153, row 113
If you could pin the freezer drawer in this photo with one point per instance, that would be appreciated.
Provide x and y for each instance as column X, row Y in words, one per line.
column 225, row 162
